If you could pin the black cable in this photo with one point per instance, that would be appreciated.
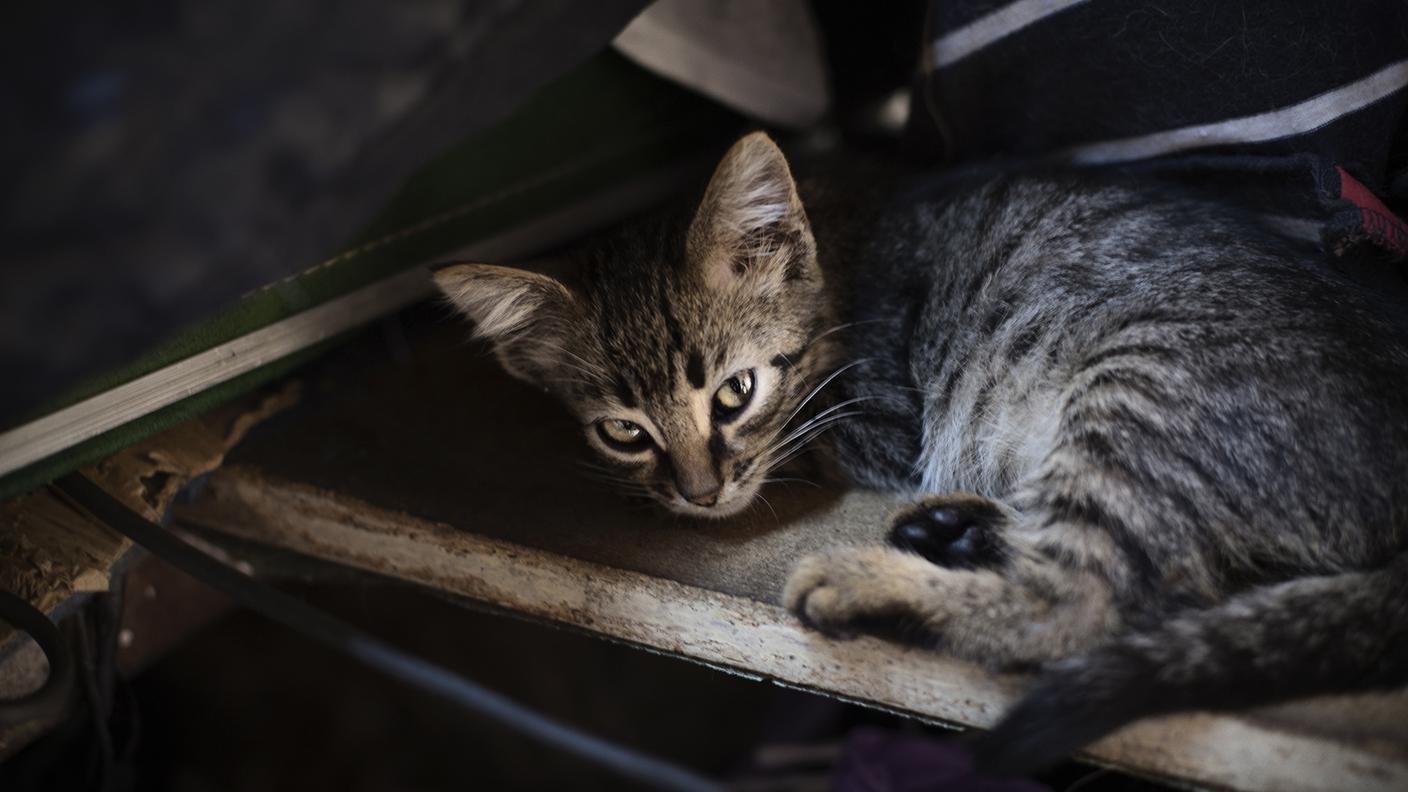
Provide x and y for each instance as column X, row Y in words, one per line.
column 48, row 701
column 430, row 677
column 101, row 770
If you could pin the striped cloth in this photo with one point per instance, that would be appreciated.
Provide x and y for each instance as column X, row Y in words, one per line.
column 1309, row 96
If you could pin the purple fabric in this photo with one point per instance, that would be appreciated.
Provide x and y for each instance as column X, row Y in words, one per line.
column 875, row 760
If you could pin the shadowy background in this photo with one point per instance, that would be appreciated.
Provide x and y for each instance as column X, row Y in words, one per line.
column 163, row 157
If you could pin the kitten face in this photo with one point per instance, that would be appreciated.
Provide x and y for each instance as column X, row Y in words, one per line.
column 692, row 425
column 687, row 349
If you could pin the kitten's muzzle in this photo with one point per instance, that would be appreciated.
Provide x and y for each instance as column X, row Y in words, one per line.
column 706, row 495
column 697, row 476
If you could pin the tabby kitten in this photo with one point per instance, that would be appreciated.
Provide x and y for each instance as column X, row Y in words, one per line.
column 1168, row 449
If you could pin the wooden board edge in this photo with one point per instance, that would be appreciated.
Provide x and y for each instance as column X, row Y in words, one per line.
column 753, row 638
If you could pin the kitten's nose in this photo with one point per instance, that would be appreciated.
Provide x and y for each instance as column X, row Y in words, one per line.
column 701, row 490
column 696, row 477
column 703, row 497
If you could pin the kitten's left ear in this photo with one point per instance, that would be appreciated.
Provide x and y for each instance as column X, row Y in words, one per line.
column 750, row 227
column 523, row 314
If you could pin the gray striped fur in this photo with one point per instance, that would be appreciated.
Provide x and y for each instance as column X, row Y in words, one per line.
column 1173, row 442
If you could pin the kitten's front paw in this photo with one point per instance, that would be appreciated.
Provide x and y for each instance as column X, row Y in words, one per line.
column 958, row 531
column 861, row 589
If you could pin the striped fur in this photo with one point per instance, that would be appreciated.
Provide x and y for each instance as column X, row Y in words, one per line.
column 1166, row 447
column 665, row 313
column 1187, row 440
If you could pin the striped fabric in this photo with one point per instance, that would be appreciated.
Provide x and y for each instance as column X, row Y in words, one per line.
column 1309, row 96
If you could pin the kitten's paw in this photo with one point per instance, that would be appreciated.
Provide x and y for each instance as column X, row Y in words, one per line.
column 958, row 531
column 861, row 589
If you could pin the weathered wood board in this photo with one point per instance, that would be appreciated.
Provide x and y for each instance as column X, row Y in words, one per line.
column 50, row 552
column 430, row 466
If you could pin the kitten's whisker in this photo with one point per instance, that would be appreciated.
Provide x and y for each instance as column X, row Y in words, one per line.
column 621, row 483
column 806, row 449
column 811, row 423
column 802, row 443
column 783, row 449
column 596, row 468
column 796, row 453
column 599, row 468
column 848, row 325
column 590, row 465
column 625, row 487
column 787, row 480
column 816, row 425
column 832, row 376
column 768, row 503
column 819, row 416
column 613, row 478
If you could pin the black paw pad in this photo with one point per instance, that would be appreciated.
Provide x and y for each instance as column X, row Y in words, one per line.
column 959, row 535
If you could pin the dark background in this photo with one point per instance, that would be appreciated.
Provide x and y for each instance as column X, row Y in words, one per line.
column 163, row 157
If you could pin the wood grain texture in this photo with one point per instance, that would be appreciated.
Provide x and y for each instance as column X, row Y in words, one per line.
column 50, row 552
column 1269, row 751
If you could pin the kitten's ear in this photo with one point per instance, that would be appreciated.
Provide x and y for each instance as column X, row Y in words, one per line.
column 523, row 314
column 750, row 227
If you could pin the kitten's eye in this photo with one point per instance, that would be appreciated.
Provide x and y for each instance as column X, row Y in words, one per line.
column 733, row 395
column 622, row 434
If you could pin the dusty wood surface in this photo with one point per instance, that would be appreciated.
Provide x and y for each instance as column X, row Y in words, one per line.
column 49, row 552
column 439, row 470
column 1267, row 752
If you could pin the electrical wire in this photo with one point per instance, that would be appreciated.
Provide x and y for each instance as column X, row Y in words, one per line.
column 414, row 671
column 48, row 701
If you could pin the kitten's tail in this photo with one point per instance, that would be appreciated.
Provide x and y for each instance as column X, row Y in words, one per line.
column 1307, row 636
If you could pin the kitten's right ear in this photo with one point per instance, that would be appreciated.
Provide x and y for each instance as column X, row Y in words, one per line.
column 750, row 228
column 523, row 314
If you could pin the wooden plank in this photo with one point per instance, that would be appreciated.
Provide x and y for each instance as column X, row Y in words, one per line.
column 1280, row 750
column 438, row 469
column 43, row 437
column 51, row 553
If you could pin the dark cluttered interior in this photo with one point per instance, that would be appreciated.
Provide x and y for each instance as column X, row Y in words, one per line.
column 985, row 396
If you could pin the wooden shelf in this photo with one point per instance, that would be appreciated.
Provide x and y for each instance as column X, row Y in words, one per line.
column 430, row 466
